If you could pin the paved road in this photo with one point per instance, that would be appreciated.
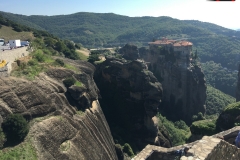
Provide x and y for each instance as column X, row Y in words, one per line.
column 11, row 55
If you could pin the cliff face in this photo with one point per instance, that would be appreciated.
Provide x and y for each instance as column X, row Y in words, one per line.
column 184, row 88
column 65, row 123
column 131, row 95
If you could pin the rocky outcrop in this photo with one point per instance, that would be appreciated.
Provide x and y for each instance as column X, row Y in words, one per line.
column 129, row 52
column 184, row 88
column 131, row 95
column 65, row 123
column 229, row 117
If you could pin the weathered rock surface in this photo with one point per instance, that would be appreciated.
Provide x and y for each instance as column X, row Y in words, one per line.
column 184, row 88
column 129, row 52
column 59, row 129
column 131, row 95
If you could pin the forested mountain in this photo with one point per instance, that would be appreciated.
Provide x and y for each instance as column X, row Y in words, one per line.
column 211, row 42
column 220, row 77
column 217, row 100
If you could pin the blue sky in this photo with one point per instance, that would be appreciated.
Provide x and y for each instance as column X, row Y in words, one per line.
column 225, row 14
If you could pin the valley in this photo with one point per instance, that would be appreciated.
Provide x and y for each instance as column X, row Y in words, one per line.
column 106, row 86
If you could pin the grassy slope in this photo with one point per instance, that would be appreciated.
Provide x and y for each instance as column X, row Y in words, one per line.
column 7, row 34
column 24, row 151
column 83, row 54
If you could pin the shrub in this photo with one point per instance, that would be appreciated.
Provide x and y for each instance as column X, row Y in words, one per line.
column 229, row 117
column 127, row 149
column 93, row 57
column 78, row 46
column 2, row 138
column 39, row 56
column 198, row 117
column 32, row 62
column 23, row 65
column 69, row 82
column 59, row 62
column 181, row 125
column 203, row 127
column 233, row 109
column 46, row 51
column 178, row 131
column 15, row 128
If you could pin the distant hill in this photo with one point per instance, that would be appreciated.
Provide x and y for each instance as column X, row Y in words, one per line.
column 211, row 42
column 217, row 100
column 8, row 33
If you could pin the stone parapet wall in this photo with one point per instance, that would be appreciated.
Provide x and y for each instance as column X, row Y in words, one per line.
column 152, row 152
column 208, row 148
column 224, row 151
column 228, row 134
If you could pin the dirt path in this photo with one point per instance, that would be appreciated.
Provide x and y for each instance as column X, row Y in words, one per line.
column 11, row 55
column 84, row 51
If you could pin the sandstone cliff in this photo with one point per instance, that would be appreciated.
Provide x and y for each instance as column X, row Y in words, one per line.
column 65, row 123
column 131, row 95
column 184, row 88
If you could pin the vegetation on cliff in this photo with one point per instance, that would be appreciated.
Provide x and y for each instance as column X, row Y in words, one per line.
column 220, row 77
column 179, row 132
column 23, row 151
column 15, row 128
column 217, row 100
column 203, row 127
column 230, row 117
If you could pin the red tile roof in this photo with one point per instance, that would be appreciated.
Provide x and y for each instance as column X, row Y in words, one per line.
column 173, row 42
column 182, row 43
column 162, row 42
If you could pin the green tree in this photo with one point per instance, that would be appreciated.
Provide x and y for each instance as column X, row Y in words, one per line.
column 203, row 127
column 69, row 82
column 59, row 46
column 198, row 117
column 181, row 125
column 59, row 62
column 93, row 57
column 127, row 149
column 15, row 127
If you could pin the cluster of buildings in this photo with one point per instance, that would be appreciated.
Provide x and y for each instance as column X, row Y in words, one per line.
column 181, row 49
column 182, row 46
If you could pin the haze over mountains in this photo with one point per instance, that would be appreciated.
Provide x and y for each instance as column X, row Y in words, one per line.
column 211, row 42
column 105, row 28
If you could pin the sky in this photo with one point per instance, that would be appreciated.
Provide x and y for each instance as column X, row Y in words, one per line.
column 225, row 14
